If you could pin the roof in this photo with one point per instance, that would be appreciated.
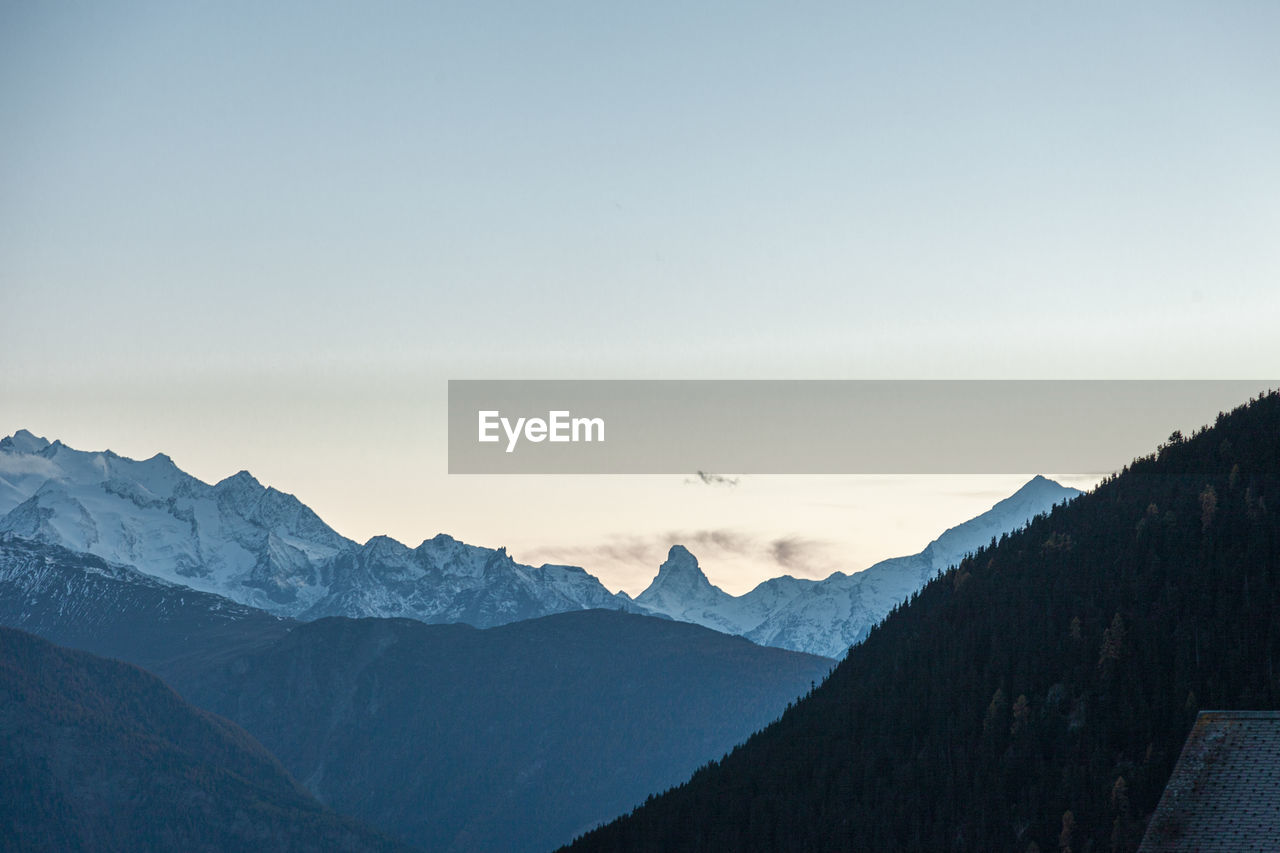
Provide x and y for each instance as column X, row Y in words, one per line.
column 1224, row 794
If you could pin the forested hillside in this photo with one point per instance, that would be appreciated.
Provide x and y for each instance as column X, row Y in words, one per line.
column 512, row 738
column 99, row 755
column 1034, row 697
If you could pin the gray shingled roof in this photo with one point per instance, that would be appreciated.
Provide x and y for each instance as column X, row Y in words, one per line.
column 1224, row 793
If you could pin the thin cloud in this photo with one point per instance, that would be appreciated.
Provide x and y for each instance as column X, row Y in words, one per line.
column 18, row 465
column 648, row 551
column 722, row 540
column 802, row 557
column 796, row 553
column 619, row 549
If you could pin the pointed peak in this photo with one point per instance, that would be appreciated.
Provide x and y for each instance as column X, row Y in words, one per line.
column 23, row 441
column 385, row 546
column 680, row 579
column 1042, row 485
column 681, row 554
column 441, row 542
column 239, row 480
column 681, row 563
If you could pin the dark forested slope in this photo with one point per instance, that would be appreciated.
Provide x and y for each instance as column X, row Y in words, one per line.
column 512, row 738
column 99, row 755
column 1035, row 697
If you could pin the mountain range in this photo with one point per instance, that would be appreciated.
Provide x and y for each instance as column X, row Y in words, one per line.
column 1025, row 691
column 826, row 617
column 446, row 737
column 266, row 549
column 563, row 712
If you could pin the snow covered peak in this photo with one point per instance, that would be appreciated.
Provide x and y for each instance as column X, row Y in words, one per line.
column 680, row 585
column 681, row 570
column 263, row 547
column 1037, row 495
column 239, row 481
column 825, row 617
column 235, row 538
column 1039, row 487
column 829, row 616
column 384, row 549
column 679, row 556
column 23, row 441
column 680, row 553
column 682, row 591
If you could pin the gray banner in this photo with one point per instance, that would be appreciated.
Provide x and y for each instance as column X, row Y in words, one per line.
column 822, row 426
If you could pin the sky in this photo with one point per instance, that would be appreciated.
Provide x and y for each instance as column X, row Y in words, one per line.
column 264, row 236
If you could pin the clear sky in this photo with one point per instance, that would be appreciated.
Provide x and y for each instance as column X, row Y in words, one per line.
column 263, row 235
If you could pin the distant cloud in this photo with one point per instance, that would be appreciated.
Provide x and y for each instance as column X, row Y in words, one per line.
column 721, row 540
column 791, row 554
column 798, row 554
column 619, row 549
column 707, row 478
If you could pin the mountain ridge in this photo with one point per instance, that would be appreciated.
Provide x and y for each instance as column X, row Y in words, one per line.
column 263, row 547
column 567, row 719
column 266, row 549
column 826, row 617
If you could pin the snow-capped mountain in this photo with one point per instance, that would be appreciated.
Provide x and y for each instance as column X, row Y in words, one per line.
column 683, row 592
column 826, row 617
column 266, row 549
column 444, row 580
column 262, row 547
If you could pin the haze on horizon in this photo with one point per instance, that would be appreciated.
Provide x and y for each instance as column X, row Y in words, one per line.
column 263, row 237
